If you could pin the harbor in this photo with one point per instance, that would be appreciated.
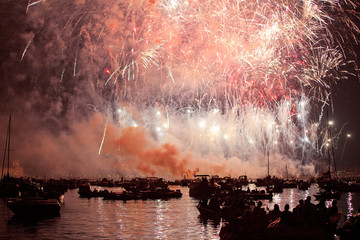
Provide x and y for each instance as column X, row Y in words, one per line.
column 176, row 218
column 168, row 119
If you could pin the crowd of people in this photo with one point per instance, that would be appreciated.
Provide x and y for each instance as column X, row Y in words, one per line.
column 254, row 220
column 307, row 213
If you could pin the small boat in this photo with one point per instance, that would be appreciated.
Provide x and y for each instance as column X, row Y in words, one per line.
column 165, row 193
column 290, row 184
column 34, row 207
column 103, row 183
column 242, row 180
column 350, row 229
column 276, row 188
column 208, row 212
column 244, row 227
column 185, row 182
column 327, row 195
column 8, row 185
column 124, row 196
column 86, row 192
column 143, row 195
column 276, row 230
column 202, row 188
column 303, row 185
column 209, row 208
column 259, row 195
column 298, row 232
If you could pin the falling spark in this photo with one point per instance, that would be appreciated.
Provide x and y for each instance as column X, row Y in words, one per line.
column 103, row 138
column 27, row 46
column 31, row 4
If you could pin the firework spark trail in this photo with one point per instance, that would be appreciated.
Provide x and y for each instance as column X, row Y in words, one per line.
column 103, row 138
column 234, row 77
column 27, row 46
column 32, row 4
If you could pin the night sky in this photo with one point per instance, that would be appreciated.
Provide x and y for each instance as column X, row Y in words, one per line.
column 346, row 114
column 34, row 89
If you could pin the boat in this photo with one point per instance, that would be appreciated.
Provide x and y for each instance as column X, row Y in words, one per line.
column 327, row 195
column 86, row 192
column 259, row 195
column 124, row 196
column 103, row 183
column 185, row 182
column 276, row 230
column 160, row 193
column 165, row 193
column 263, row 182
column 254, row 223
column 268, row 181
column 202, row 188
column 242, row 180
column 34, row 207
column 208, row 212
column 276, row 188
column 9, row 188
column 303, row 185
column 290, row 184
column 209, row 208
column 8, row 185
column 245, row 227
column 341, row 186
column 350, row 229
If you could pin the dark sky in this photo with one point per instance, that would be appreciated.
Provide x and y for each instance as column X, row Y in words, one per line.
column 346, row 105
column 26, row 95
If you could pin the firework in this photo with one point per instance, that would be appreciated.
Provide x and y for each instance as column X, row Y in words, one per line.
column 234, row 79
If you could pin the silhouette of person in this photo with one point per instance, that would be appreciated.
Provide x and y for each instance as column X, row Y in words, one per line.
column 258, row 210
column 333, row 210
column 275, row 213
column 286, row 216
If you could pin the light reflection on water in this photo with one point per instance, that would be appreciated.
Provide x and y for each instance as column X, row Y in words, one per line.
column 349, row 204
column 291, row 196
column 151, row 219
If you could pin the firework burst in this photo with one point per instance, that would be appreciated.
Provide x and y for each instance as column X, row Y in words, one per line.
column 231, row 78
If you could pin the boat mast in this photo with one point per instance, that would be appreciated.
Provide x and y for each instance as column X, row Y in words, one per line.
column 328, row 151
column 7, row 150
column 330, row 148
column 8, row 175
column 268, row 163
column 3, row 165
column 333, row 157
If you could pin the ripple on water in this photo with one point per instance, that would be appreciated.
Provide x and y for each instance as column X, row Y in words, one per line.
column 150, row 219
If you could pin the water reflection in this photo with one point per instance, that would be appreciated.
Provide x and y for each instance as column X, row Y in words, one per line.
column 213, row 221
column 31, row 226
column 210, row 227
column 31, row 222
column 291, row 200
column 150, row 219
column 349, row 204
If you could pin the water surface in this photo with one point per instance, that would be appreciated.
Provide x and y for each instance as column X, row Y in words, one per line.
column 151, row 219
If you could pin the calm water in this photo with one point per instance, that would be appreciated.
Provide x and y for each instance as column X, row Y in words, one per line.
column 151, row 219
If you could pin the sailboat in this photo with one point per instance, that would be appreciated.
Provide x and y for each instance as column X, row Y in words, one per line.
column 34, row 206
column 8, row 185
column 6, row 153
column 23, row 206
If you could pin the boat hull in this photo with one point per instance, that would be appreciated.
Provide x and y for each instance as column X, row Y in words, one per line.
column 34, row 207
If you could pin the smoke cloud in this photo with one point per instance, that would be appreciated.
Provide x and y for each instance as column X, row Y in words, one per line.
column 87, row 100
